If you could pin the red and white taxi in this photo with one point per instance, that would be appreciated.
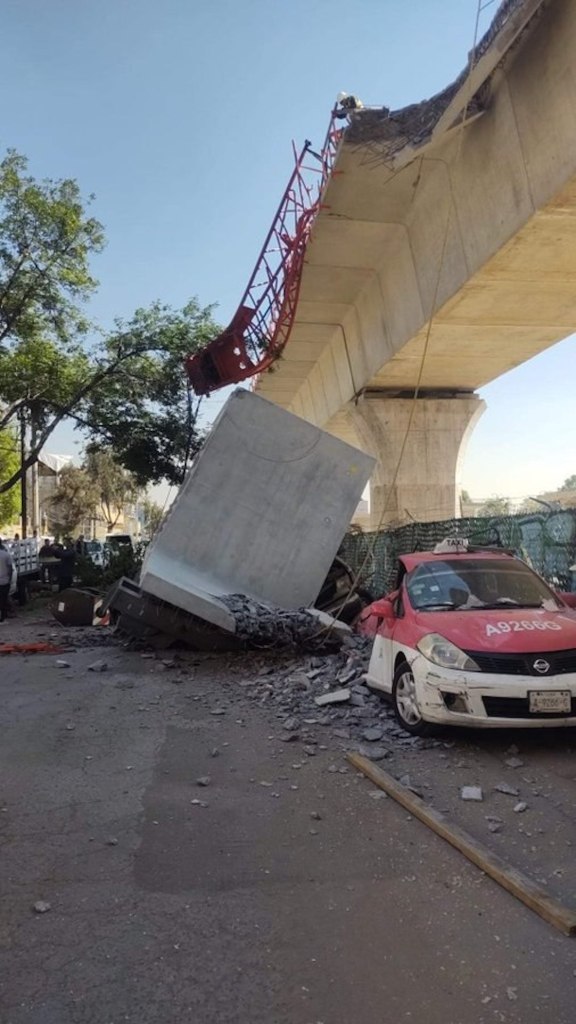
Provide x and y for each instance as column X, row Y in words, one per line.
column 474, row 638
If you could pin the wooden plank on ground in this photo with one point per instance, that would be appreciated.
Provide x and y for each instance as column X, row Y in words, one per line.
column 509, row 877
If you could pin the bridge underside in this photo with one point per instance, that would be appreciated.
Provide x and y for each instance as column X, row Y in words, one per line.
column 477, row 233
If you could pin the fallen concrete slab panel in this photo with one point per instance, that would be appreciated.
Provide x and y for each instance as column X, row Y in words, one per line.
column 262, row 512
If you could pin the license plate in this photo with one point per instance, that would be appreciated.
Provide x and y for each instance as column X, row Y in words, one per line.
column 553, row 701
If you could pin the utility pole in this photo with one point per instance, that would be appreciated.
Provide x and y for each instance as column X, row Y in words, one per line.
column 23, row 481
column 35, row 483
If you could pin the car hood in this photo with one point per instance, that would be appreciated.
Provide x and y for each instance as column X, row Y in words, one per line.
column 505, row 630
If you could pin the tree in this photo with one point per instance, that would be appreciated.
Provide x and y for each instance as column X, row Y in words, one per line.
column 9, row 461
column 569, row 483
column 99, row 489
column 113, row 486
column 495, row 506
column 74, row 501
column 126, row 389
column 144, row 412
column 152, row 515
column 129, row 395
column 46, row 240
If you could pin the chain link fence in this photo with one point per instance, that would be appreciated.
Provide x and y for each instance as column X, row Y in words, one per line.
column 546, row 540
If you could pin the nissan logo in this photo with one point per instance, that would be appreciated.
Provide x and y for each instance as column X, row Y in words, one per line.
column 541, row 666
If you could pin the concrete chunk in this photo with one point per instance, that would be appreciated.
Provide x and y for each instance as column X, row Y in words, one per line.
column 262, row 513
column 471, row 793
column 336, row 697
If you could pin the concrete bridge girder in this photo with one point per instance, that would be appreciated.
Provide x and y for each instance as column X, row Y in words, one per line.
column 419, row 445
column 504, row 193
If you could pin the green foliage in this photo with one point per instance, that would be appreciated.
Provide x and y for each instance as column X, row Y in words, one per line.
column 87, row 573
column 127, row 561
column 98, row 489
column 126, row 389
column 9, row 461
column 569, row 483
column 46, row 240
column 113, row 486
column 153, row 515
column 74, row 501
column 143, row 412
column 42, row 374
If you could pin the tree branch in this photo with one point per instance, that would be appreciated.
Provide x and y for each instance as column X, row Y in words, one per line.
column 64, row 411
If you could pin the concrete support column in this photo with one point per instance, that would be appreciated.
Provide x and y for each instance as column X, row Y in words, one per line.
column 427, row 484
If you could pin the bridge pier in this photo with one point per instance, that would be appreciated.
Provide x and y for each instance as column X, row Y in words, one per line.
column 427, row 484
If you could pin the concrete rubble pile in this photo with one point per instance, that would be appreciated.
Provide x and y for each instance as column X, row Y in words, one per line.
column 263, row 625
column 296, row 690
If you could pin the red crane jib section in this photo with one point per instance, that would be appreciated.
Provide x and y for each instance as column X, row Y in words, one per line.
column 262, row 323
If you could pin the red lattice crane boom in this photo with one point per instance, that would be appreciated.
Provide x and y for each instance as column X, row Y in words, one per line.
column 262, row 323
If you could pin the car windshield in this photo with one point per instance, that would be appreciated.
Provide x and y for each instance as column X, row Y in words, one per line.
column 464, row 584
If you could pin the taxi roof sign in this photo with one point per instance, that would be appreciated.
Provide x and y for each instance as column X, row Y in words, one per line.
column 452, row 546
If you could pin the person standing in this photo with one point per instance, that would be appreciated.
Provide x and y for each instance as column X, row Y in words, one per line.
column 66, row 555
column 6, row 572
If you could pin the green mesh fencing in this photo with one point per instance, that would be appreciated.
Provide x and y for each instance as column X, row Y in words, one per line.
column 547, row 541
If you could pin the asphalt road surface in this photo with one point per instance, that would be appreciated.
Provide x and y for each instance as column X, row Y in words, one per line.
column 199, row 870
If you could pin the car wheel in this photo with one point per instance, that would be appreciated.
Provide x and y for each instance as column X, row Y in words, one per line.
column 405, row 702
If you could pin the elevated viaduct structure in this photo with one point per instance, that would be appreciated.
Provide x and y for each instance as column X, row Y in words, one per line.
column 449, row 225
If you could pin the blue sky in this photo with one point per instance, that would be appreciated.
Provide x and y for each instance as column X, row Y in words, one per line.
column 179, row 116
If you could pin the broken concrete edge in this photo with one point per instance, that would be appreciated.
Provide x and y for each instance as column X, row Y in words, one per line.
column 245, row 621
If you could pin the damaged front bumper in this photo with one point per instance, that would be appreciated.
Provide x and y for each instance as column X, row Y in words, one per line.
column 487, row 700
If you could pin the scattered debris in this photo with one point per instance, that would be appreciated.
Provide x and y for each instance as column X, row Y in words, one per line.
column 514, row 762
column 60, row 663
column 374, row 753
column 204, row 780
column 503, row 787
column 373, row 734
column 471, row 793
column 112, row 841
column 335, row 697
column 41, row 907
column 98, row 666
column 520, row 807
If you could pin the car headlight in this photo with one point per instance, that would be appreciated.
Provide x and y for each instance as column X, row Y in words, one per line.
column 444, row 653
